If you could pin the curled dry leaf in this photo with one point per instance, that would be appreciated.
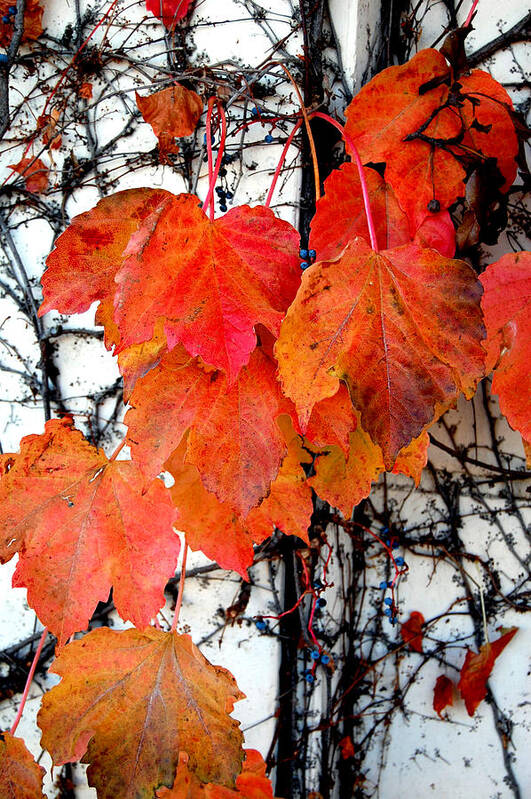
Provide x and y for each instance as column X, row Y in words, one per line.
column 506, row 303
column 252, row 783
column 35, row 174
column 20, row 776
column 171, row 112
column 129, row 702
column 411, row 631
column 443, row 694
column 401, row 328
column 83, row 524
column 477, row 669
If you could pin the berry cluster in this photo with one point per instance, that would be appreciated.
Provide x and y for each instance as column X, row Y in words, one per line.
column 308, row 257
column 11, row 12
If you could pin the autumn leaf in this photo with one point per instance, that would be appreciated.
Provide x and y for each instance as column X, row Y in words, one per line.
column 181, row 395
column 155, row 256
column 20, row 776
column 33, row 11
column 506, row 302
column 223, row 534
column 169, row 11
column 252, row 783
column 411, row 631
column 171, row 112
column 332, row 421
column 85, row 524
column 129, row 702
column 340, row 216
column 86, row 90
column 211, row 281
column 35, row 174
column 443, row 694
column 401, row 328
column 346, row 747
column 477, row 669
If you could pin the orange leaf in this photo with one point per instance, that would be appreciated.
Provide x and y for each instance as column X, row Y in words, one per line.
column 443, row 694
column 85, row 524
column 411, row 631
column 506, row 302
column 156, row 255
column 85, row 91
column 35, row 174
column 332, row 420
column 33, row 11
column 340, row 216
column 130, row 701
column 477, row 668
column 240, row 418
column 412, row 459
column 401, row 328
column 347, row 747
column 172, row 112
column 20, row 776
column 252, row 783
column 169, row 11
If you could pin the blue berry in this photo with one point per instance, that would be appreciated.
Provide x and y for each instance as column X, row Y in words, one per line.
column 312, row 254
column 6, row 19
column 254, row 111
column 268, row 138
column 325, row 659
column 220, row 191
column 396, row 544
column 388, row 612
column 317, row 584
column 314, row 654
column 3, row 58
column 222, row 207
column 229, row 195
column 309, row 678
column 205, row 139
column 12, row 10
column 305, row 265
column 321, row 602
column 388, row 600
column 383, row 585
column 260, row 624
column 303, row 254
column 390, row 584
column 400, row 561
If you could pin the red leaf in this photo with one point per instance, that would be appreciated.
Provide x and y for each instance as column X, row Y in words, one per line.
column 171, row 112
column 401, row 328
column 477, row 668
column 443, row 694
column 340, row 216
column 35, row 174
column 331, row 421
column 180, row 395
column 347, row 747
column 506, row 303
column 85, row 524
column 411, row 631
column 129, row 702
column 169, row 11
column 20, row 776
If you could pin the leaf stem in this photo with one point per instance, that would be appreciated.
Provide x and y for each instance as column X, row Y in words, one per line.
column 118, row 449
column 29, row 680
column 357, row 159
column 281, row 162
column 213, row 174
column 181, row 587
column 308, row 130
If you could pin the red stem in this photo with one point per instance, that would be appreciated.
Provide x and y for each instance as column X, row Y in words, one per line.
column 470, row 14
column 281, row 162
column 364, row 190
column 29, row 680
column 181, row 587
column 213, row 175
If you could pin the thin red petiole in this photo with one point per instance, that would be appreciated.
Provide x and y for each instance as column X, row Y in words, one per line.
column 29, row 680
column 281, row 162
column 357, row 159
column 468, row 20
column 181, row 587
column 118, row 449
column 213, row 175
